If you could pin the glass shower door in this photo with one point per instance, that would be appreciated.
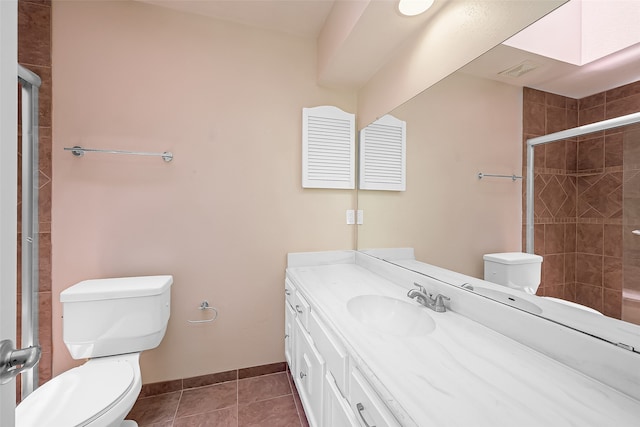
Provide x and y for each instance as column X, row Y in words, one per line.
column 631, row 226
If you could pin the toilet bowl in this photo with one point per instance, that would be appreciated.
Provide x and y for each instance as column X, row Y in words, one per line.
column 109, row 321
column 521, row 271
column 99, row 393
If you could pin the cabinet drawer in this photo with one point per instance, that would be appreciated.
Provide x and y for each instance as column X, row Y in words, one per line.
column 308, row 375
column 337, row 412
column 289, row 292
column 365, row 403
column 302, row 308
column 334, row 354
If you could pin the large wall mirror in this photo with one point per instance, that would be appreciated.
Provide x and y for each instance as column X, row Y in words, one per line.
column 475, row 121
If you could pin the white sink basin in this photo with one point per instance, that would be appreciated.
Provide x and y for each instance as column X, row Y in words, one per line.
column 390, row 315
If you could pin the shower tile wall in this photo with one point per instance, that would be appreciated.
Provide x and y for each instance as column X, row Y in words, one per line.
column 579, row 196
column 34, row 52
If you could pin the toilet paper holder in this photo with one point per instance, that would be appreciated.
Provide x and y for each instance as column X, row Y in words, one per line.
column 204, row 305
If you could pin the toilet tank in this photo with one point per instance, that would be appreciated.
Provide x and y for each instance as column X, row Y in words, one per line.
column 105, row 317
column 516, row 270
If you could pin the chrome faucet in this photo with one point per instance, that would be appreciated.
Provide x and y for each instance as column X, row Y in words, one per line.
column 428, row 300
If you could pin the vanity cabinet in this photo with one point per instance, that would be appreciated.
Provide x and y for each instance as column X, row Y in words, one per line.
column 366, row 365
column 333, row 391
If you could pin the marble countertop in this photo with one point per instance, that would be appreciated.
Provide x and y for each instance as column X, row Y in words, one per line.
column 461, row 373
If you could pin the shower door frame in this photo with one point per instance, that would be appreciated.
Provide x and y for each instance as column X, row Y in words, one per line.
column 30, row 84
column 8, row 194
column 621, row 121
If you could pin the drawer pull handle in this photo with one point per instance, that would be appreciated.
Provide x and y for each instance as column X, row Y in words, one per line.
column 286, row 336
column 287, row 292
column 302, row 375
column 298, row 309
column 360, row 409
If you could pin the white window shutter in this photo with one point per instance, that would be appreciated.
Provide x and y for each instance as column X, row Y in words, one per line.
column 328, row 148
column 383, row 155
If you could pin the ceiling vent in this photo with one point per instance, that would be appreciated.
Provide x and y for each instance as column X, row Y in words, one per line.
column 519, row 70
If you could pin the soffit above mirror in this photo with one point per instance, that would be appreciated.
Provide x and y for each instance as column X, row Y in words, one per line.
column 577, row 50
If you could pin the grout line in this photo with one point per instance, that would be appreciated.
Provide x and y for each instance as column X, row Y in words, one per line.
column 237, row 399
column 206, row 385
column 268, row 398
column 175, row 414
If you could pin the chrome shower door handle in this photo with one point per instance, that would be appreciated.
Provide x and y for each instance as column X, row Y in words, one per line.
column 14, row 361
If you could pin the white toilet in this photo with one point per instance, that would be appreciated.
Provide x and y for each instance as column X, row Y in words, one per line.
column 515, row 270
column 522, row 271
column 108, row 321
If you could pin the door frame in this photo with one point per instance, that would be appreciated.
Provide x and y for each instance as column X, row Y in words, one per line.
column 8, row 190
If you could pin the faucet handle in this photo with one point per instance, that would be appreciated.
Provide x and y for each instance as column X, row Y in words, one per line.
column 420, row 288
column 439, row 302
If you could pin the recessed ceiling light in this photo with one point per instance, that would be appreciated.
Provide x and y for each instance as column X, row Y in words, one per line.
column 414, row 7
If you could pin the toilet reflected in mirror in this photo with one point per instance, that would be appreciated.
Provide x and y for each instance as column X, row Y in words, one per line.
column 520, row 271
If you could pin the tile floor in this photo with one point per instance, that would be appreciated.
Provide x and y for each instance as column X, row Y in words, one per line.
column 263, row 401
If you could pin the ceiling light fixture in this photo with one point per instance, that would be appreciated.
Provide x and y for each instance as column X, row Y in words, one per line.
column 414, row 7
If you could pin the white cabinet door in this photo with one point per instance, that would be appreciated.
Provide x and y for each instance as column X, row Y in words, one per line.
column 308, row 375
column 337, row 412
column 289, row 339
column 335, row 356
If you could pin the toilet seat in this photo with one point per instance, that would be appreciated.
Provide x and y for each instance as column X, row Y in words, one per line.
column 91, row 390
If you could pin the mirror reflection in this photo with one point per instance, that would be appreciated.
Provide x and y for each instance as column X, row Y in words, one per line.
column 586, row 204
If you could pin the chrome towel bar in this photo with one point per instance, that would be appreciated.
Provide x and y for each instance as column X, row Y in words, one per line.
column 78, row 151
column 483, row 175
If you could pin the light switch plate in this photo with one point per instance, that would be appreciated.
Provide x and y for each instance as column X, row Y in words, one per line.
column 351, row 217
column 360, row 217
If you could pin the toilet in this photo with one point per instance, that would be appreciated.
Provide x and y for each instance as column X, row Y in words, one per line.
column 109, row 322
column 521, row 271
column 515, row 270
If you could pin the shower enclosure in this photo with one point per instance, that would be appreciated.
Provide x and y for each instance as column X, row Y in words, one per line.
column 585, row 209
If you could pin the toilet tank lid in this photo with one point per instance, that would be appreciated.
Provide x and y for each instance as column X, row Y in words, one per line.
column 513, row 258
column 114, row 288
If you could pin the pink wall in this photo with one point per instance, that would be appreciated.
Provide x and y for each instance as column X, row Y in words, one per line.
column 227, row 101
